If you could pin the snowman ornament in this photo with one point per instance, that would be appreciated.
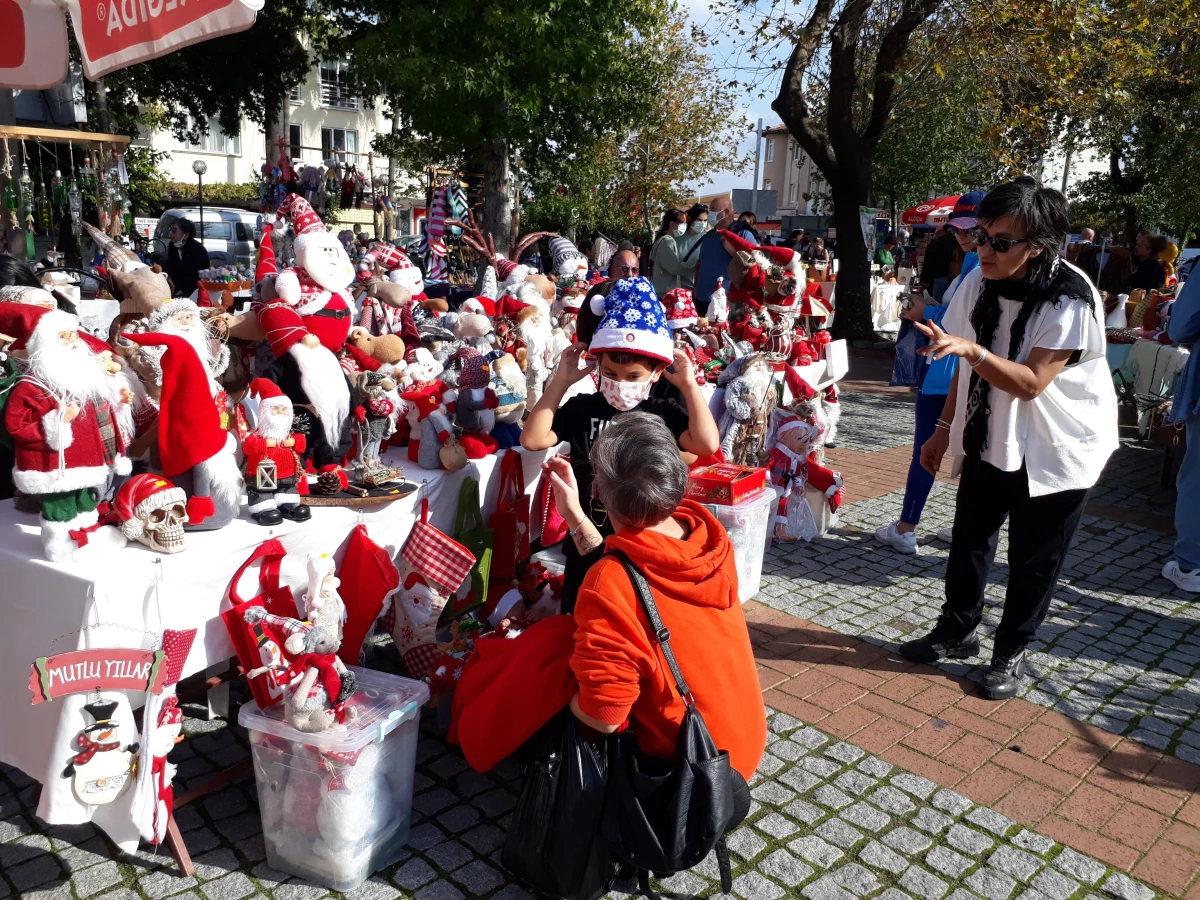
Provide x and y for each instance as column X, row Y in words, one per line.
column 102, row 768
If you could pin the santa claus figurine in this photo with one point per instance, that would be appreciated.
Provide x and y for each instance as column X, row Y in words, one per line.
column 66, row 438
column 307, row 324
column 274, row 475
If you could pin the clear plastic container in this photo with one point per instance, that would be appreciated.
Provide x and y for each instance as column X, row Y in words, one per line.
column 749, row 527
column 336, row 805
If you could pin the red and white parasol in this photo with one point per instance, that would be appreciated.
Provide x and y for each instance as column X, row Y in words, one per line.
column 931, row 212
column 111, row 34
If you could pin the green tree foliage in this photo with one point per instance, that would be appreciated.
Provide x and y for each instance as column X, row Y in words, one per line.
column 479, row 81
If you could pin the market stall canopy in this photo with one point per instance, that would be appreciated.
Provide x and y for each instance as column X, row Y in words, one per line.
column 111, row 34
column 931, row 212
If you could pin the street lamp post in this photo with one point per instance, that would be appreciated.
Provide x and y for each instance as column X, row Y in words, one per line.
column 200, row 167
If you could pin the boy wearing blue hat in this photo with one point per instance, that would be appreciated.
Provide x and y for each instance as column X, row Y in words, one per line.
column 631, row 349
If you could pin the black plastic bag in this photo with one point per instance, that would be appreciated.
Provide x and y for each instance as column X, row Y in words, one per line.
column 555, row 843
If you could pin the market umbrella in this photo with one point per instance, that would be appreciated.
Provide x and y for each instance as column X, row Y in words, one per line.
column 111, row 34
column 931, row 212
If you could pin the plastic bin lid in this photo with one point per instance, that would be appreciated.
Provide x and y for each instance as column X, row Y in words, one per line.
column 763, row 497
column 383, row 701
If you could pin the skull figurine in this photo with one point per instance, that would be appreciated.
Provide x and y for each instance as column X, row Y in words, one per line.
column 151, row 511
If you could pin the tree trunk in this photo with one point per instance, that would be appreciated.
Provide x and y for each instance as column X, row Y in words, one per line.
column 853, row 294
column 100, row 97
column 497, row 196
column 276, row 127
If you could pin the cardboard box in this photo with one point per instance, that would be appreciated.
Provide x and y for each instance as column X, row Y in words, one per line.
column 726, row 484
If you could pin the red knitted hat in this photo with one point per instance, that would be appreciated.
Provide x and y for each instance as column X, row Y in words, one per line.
column 266, row 256
column 140, row 495
column 504, row 268
column 304, row 218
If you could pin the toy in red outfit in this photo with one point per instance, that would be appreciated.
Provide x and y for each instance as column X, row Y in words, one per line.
column 274, row 475
column 475, row 408
column 307, row 325
column 66, row 438
column 794, row 434
column 430, row 403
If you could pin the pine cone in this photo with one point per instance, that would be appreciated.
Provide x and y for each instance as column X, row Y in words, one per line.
column 328, row 483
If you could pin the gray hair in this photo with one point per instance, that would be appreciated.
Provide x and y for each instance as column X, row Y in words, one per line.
column 639, row 475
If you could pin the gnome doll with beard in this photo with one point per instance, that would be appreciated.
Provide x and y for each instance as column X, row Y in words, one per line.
column 195, row 451
column 66, row 439
column 307, row 324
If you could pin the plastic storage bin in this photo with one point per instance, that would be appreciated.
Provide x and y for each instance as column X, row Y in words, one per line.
column 749, row 528
column 336, row 806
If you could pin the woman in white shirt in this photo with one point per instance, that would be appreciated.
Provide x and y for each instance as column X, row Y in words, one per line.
column 1034, row 413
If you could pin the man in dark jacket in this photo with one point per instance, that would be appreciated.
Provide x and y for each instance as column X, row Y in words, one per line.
column 186, row 256
column 939, row 257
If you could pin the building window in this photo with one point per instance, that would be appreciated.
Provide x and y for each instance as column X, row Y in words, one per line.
column 216, row 140
column 294, row 94
column 335, row 92
column 770, row 149
column 294, row 141
column 795, row 150
column 339, row 143
column 766, row 184
column 791, row 193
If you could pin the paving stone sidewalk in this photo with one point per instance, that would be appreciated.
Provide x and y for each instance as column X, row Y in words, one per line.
column 828, row 822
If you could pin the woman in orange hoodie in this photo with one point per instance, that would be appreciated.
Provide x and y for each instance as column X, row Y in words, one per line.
column 604, row 661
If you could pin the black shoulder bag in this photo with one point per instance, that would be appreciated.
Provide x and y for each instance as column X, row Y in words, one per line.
column 666, row 816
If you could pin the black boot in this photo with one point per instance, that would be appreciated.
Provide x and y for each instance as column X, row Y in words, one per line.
column 267, row 517
column 1003, row 676
column 297, row 512
column 941, row 643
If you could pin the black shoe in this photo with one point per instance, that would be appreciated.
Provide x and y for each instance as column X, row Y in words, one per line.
column 941, row 644
column 297, row 512
column 267, row 517
column 1003, row 676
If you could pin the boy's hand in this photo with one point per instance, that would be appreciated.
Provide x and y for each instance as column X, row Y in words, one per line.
column 684, row 373
column 569, row 371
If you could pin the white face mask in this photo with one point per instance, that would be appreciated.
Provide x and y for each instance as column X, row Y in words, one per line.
column 178, row 245
column 679, row 230
column 624, row 395
column 699, row 227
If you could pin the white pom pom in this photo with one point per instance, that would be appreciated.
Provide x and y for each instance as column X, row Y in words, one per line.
column 598, row 304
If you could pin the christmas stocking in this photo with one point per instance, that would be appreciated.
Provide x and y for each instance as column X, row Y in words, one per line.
column 368, row 575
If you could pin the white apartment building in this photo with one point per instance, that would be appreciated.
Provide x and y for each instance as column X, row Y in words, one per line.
column 325, row 120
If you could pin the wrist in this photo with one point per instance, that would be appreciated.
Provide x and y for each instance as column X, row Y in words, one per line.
column 574, row 517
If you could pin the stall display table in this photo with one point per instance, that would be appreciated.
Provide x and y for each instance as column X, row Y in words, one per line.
column 126, row 597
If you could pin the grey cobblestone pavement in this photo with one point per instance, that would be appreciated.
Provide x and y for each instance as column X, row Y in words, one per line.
column 828, row 822
column 1120, row 647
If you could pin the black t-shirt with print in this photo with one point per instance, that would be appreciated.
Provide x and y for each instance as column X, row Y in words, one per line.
column 579, row 422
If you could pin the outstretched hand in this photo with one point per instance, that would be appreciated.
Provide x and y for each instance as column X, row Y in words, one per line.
column 942, row 344
column 566, row 489
column 569, row 370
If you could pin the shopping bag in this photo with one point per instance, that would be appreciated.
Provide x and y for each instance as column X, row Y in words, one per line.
column 551, row 526
column 510, row 521
column 470, row 531
column 555, row 843
column 906, row 370
column 261, row 644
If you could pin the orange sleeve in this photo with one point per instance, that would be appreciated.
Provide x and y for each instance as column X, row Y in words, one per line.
column 612, row 654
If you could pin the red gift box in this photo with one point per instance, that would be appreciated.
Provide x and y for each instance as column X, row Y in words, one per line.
column 726, row 484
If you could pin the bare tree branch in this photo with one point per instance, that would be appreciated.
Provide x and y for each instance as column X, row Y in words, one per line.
column 891, row 51
column 791, row 104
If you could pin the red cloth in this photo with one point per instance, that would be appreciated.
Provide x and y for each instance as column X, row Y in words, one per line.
column 364, row 360
column 368, row 575
column 511, row 688
column 255, row 448
column 621, row 671
column 284, row 327
column 323, row 663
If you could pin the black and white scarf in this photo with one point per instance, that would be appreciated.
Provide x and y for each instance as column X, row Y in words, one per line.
column 1061, row 283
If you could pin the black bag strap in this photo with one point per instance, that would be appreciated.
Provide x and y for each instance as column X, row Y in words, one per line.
column 661, row 633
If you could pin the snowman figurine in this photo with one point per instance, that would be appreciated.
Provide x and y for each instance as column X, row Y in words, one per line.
column 102, row 768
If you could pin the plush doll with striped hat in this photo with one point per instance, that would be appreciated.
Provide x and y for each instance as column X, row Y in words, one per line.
column 568, row 262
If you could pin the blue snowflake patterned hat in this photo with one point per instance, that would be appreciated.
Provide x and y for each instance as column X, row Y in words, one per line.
column 632, row 321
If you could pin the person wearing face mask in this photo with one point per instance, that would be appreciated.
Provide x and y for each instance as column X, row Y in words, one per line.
column 631, row 349
column 669, row 267
column 689, row 244
column 185, row 258
column 1033, row 410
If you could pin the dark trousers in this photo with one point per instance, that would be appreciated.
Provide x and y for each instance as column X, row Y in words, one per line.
column 1040, row 531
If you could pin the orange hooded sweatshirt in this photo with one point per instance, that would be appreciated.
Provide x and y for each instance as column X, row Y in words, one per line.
column 621, row 670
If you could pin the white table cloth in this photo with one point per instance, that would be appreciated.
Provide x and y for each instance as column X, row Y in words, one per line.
column 125, row 597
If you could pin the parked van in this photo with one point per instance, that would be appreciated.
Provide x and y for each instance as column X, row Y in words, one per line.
column 229, row 235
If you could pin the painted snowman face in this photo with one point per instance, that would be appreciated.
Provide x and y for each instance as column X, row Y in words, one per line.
column 408, row 276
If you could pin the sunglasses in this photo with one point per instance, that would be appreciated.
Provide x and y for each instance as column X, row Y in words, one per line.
column 1000, row 245
column 629, row 270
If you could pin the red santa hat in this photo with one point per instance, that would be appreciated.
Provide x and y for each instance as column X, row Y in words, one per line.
column 799, row 388
column 781, row 256
column 170, row 714
column 269, row 394
column 681, row 311
column 266, row 256
column 305, row 221
column 509, row 305
column 483, row 306
column 737, row 242
column 189, row 425
column 33, row 326
column 504, row 268
column 141, row 495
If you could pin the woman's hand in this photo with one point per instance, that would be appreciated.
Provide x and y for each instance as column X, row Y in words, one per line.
column 942, row 344
column 934, row 450
column 914, row 311
column 568, row 371
column 566, row 490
